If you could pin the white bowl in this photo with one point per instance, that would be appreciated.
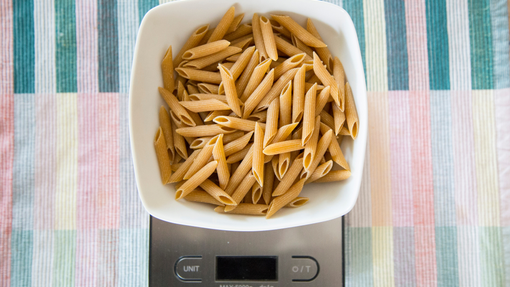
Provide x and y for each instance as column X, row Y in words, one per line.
column 171, row 24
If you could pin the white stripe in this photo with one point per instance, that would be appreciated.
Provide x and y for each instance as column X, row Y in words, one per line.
column 42, row 260
column 44, row 29
column 127, row 13
column 86, row 46
column 458, row 44
column 375, row 36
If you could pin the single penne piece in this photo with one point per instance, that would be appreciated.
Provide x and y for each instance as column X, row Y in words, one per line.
column 227, row 138
column 228, row 65
column 284, row 132
column 192, row 41
column 339, row 118
column 199, row 76
column 196, row 118
column 255, row 79
column 337, row 155
column 216, row 192
column 238, row 144
column 322, row 147
column 215, row 114
column 344, row 132
column 280, row 201
column 175, row 166
column 219, row 156
column 339, row 75
column 242, row 62
column 235, row 23
column 274, row 165
column 309, row 114
column 300, row 32
column 327, row 119
column 258, row 94
column 267, row 189
column 179, row 143
column 203, row 158
column 243, row 44
column 314, row 79
column 326, row 78
column 277, row 88
column 322, row 100
column 160, row 146
column 241, row 171
column 272, row 121
column 207, row 88
column 311, row 146
column 205, row 50
column 257, row 37
column 203, row 62
column 242, row 82
column 297, row 202
column 234, row 58
column 192, row 89
column 204, row 131
column 241, row 31
column 166, row 126
column 203, row 97
column 211, row 68
column 242, row 189
column 178, row 175
column 335, row 175
column 288, row 49
column 176, row 107
column 320, row 171
column 301, row 46
column 244, row 209
column 230, row 90
column 258, row 156
column 289, row 178
column 283, row 163
column 323, row 53
column 280, row 29
column 223, row 25
column 167, row 69
column 237, row 123
column 298, row 96
column 319, row 88
column 202, row 197
column 268, row 38
column 258, row 117
column 288, row 64
column 205, row 105
column 351, row 114
column 283, row 147
column 256, row 192
column 286, row 105
column 240, row 155
column 193, row 182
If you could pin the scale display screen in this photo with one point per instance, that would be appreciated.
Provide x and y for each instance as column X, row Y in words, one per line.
column 253, row 268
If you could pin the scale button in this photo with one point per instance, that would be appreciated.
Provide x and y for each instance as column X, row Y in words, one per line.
column 189, row 268
column 304, row 268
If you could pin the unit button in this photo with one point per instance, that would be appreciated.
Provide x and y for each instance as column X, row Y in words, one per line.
column 189, row 268
column 304, row 268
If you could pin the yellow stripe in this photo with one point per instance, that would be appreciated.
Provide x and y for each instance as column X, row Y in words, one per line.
column 485, row 157
column 382, row 252
column 67, row 161
column 375, row 37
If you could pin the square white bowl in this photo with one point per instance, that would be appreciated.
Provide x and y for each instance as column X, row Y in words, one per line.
column 171, row 24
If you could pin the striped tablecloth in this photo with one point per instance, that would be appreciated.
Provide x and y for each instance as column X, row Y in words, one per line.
column 434, row 206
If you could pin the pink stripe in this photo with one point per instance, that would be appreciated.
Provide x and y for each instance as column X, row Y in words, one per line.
column 86, row 214
column 6, row 50
column 466, row 196
column 502, row 118
column 45, row 161
column 423, row 190
column 400, row 155
column 86, row 49
column 416, row 25
column 108, row 200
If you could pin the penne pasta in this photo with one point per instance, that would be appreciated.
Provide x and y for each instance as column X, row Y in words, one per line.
column 288, row 64
column 234, row 58
column 286, row 105
column 323, row 53
column 256, row 193
column 203, row 62
column 222, row 169
column 288, row 49
column 297, row 202
column 176, row 107
column 166, row 127
column 327, row 119
column 298, row 97
column 201, row 142
column 280, row 29
column 339, row 75
column 242, row 82
column 205, row 50
column 258, row 156
column 237, row 123
column 322, row 146
column 300, row 32
column 243, row 43
column 258, row 117
column 344, row 132
column 167, row 69
column 268, row 38
column 179, row 144
column 240, row 155
column 215, row 114
column 204, row 131
column 241, row 171
column 205, row 105
column 238, row 144
column 175, row 166
column 301, row 46
column 162, row 156
column 283, row 164
column 280, row 201
column 178, row 175
column 207, row 88
column 283, row 147
column 235, row 23
column 192, row 89
column 217, row 193
column 275, row 91
column 192, row 42
column 257, row 37
column 245, row 209
column 255, row 79
column 203, row 97
column 194, row 181
column 242, row 189
column 223, row 25
column 289, row 178
column 351, row 114
column 311, row 146
column 272, row 122
column 322, row 100
column 339, row 118
column 241, row 63
column 203, row 158
column 320, row 171
column 326, row 78
column 267, row 189
column 309, row 114
column 203, row 197
column 200, row 76
column 274, row 164
column 230, row 90
column 241, row 31
column 259, row 93
column 335, row 175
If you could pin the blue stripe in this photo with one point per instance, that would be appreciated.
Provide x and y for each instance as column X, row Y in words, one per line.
column 446, row 256
column 358, row 256
column 500, row 43
column 108, row 46
column 133, row 259
column 65, row 258
column 396, row 42
column 144, row 6
column 21, row 260
column 23, row 46
column 505, row 233
column 355, row 10
column 480, row 34
column 65, row 50
column 437, row 42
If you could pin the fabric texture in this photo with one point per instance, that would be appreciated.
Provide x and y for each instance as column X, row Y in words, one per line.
column 434, row 205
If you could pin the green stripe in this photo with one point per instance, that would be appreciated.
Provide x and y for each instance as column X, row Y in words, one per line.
column 491, row 257
column 65, row 257
column 437, row 42
column 358, row 256
column 480, row 35
column 65, row 50
column 108, row 46
column 21, row 260
column 23, row 46
column 144, row 6
column 446, row 256
column 355, row 10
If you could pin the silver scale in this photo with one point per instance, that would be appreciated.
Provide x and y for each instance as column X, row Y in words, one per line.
column 301, row 256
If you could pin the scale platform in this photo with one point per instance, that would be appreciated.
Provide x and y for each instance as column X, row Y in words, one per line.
column 301, row 256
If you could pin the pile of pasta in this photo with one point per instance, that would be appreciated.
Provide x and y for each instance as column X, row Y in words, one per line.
column 249, row 125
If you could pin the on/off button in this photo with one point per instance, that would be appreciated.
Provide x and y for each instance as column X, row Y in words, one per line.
column 189, row 268
column 304, row 268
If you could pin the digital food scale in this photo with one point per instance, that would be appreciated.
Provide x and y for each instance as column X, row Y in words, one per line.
column 300, row 256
